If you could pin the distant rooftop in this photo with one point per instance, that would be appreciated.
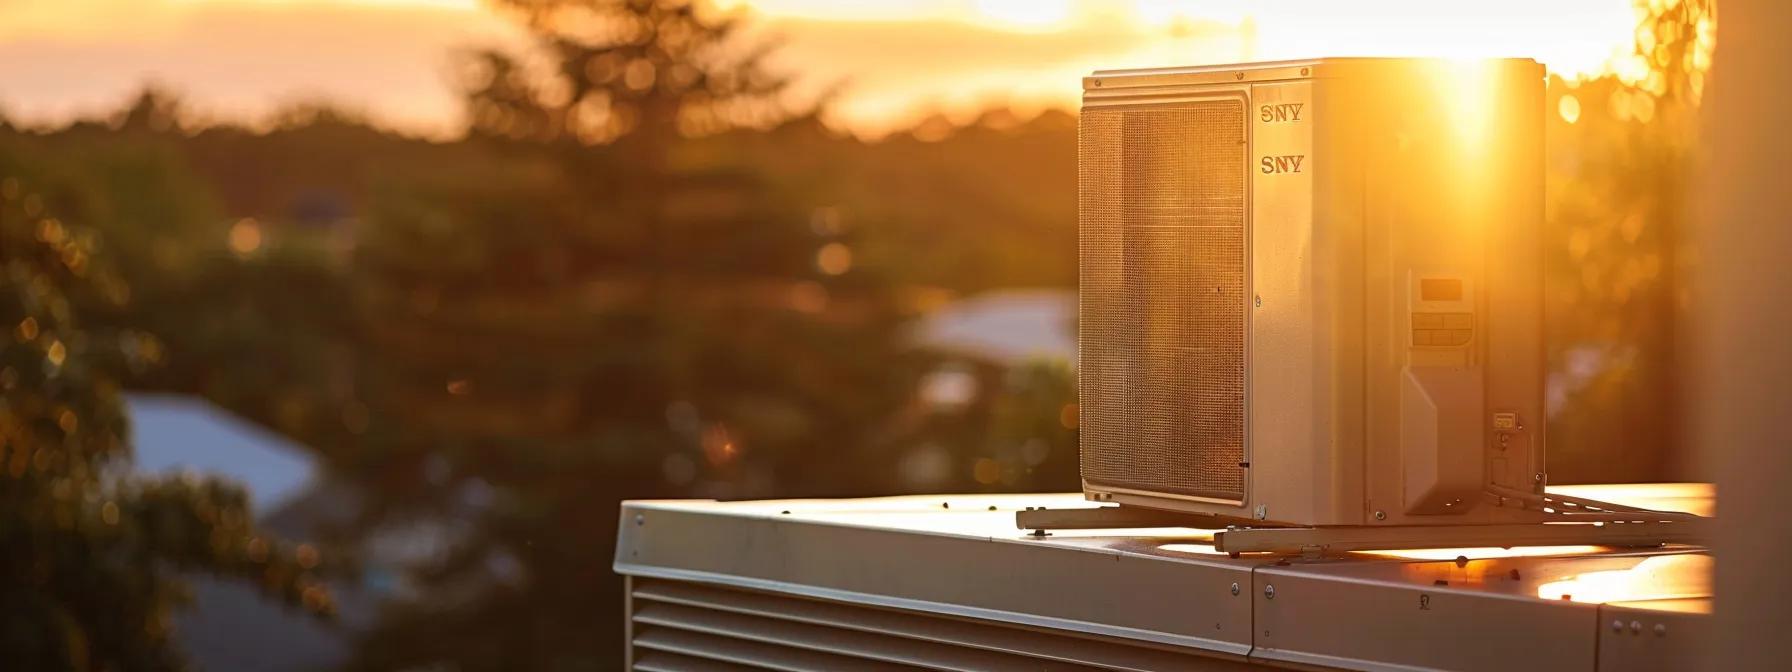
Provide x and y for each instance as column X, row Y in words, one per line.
column 174, row 433
column 1005, row 327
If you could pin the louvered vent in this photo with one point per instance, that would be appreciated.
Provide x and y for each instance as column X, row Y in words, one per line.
column 676, row 626
column 1162, row 325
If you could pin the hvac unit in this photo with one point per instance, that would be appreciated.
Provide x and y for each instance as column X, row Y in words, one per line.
column 1311, row 295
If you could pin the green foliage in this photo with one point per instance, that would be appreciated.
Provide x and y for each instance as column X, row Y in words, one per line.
column 92, row 553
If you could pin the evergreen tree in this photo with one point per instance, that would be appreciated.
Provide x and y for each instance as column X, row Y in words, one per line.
column 605, row 312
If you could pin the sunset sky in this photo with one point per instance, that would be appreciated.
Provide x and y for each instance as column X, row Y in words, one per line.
column 899, row 59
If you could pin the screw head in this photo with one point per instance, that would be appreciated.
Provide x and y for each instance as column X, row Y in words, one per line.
column 1381, row 515
column 1636, row 627
column 1661, row 629
column 1258, row 300
column 1269, row 592
column 640, row 519
column 1617, row 625
column 1234, row 587
column 1262, row 511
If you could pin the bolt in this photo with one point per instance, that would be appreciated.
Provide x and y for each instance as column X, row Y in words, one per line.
column 1269, row 592
column 1381, row 515
column 1234, row 587
column 1636, row 627
column 640, row 519
column 1661, row 629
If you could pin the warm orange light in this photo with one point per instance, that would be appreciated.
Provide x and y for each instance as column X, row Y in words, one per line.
column 1695, row 498
column 834, row 258
column 1467, row 89
column 1482, row 553
column 1655, row 578
column 245, row 237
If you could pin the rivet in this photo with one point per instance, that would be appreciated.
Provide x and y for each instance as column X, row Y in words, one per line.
column 1303, row 72
column 1381, row 515
column 1636, row 627
column 1661, row 629
column 1269, row 592
column 1238, row 76
column 640, row 519
column 1097, row 83
column 1234, row 587
column 1617, row 625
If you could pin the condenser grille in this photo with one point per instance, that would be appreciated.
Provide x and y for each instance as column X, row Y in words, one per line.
column 676, row 626
column 1162, row 331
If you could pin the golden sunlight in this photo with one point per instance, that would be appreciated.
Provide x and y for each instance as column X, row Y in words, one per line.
column 1482, row 553
column 1655, row 578
column 1028, row 13
column 958, row 57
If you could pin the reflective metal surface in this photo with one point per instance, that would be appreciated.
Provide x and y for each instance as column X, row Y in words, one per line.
column 952, row 570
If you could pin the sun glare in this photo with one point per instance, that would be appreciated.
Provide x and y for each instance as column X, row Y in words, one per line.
column 1655, row 578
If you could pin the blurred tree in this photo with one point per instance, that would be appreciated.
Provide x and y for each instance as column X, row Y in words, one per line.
column 604, row 69
column 602, row 309
column 1621, row 152
column 88, row 578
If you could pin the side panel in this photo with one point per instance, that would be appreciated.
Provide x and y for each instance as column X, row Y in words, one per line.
column 1292, row 463
column 1453, row 284
column 1515, row 352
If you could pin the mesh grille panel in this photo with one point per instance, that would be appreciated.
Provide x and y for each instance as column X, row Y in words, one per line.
column 1161, row 343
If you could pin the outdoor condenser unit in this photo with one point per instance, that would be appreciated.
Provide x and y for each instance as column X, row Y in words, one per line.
column 1311, row 291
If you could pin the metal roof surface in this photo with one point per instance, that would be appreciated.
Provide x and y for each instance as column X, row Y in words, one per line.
column 961, row 556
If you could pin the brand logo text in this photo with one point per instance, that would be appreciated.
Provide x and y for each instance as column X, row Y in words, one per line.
column 1287, row 163
column 1280, row 112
